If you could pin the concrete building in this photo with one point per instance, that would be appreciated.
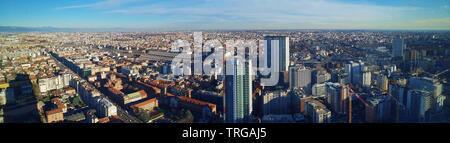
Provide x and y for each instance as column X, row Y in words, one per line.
column 320, row 76
column 201, row 109
column 399, row 91
column 53, row 83
column 383, row 83
column 419, row 104
column 366, row 79
column 299, row 77
column 337, row 97
column 317, row 111
column 277, row 118
column 319, row 90
column 431, row 85
column 276, row 102
column 133, row 97
column 398, row 47
column 354, row 70
column 106, row 108
column 148, row 105
column 379, row 109
column 7, row 96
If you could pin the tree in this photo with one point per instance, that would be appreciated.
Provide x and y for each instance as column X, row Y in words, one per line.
column 77, row 102
column 143, row 115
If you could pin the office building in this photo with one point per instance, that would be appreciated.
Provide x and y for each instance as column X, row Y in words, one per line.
column 276, row 102
column 398, row 47
column 419, row 104
column 278, row 45
column 379, row 109
column 427, row 84
column 238, row 93
column 299, row 77
column 337, row 96
column 354, row 70
column 319, row 90
column 383, row 83
column 317, row 112
column 366, row 79
column 281, row 46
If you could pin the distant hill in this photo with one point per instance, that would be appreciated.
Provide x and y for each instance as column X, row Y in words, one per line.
column 54, row 29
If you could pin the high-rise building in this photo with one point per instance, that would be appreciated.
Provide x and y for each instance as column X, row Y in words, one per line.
column 278, row 45
column 354, row 71
column 317, row 111
column 419, row 104
column 382, row 83
column 281, row 44
column 398, row 90
column 2, row 96
column 379, row 109
column 337, row 96
column 238, row 93
column 425, row 83
column 321, row 76
column 398, row 47
column 319, row 89
column 299, row 77
column 366, row 79
column 276, row 102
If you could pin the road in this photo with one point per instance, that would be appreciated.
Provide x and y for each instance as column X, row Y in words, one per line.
column 152, row 55
column 126, row 117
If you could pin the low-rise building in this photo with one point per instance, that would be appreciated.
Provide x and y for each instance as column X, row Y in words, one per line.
column 148, row 105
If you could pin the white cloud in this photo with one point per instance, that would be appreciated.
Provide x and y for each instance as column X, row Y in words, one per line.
column 105, row 4
column 264, row 13
column 273, row 10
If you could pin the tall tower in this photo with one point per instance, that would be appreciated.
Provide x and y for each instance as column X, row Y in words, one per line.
column 282, row 45
column 278, row 45
column 354, row 70
column 398, row 47
column 238, row 93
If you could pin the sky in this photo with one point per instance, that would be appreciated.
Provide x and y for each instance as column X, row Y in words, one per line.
column 228, row 14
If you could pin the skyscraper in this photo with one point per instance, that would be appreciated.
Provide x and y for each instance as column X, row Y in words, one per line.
column 238, row 93
column 434, row 86
column 337, row 97
column 366, row 79
column 382, row 83
column 278, row 45
column 299, row 77
column 398, row 47
column 379, row 108
column 354, row 70
column 419, row 104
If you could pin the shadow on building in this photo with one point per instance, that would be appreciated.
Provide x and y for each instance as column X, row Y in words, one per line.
column 21, row 104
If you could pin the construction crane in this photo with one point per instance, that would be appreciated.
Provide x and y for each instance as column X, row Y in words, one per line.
column 351, row 92
column 438, row 74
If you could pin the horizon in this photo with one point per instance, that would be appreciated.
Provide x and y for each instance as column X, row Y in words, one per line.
column 19, row 29
column 176, row 15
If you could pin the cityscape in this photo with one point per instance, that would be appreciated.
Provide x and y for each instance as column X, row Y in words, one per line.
column 64, row 74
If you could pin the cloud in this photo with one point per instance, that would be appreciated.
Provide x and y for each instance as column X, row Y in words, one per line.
column 105, row 4
column 272, row 10
column 264, row 13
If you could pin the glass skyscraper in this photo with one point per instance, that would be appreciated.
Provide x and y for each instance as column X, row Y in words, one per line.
column 282, row 45
column 238, row 93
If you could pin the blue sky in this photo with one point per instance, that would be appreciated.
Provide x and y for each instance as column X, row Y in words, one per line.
column 228, row 14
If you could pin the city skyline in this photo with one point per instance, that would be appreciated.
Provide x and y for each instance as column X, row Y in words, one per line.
column 149, row 15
